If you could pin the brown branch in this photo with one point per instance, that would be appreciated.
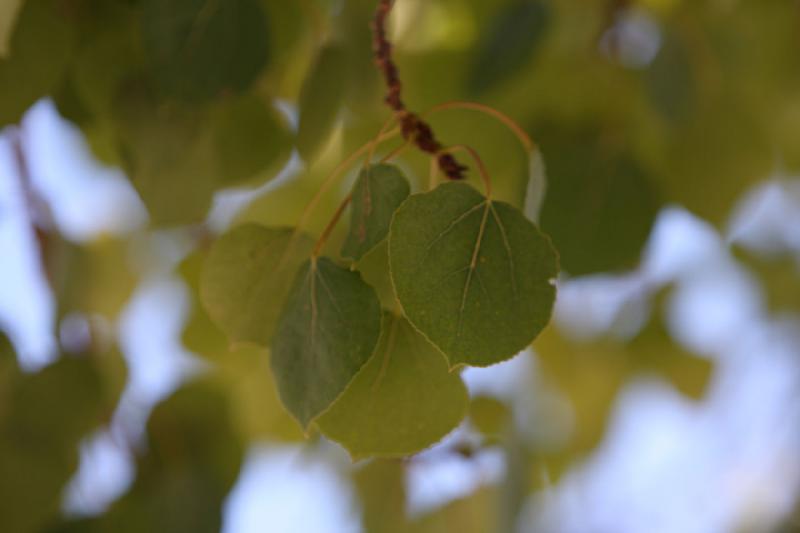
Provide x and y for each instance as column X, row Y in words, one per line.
column 413, row 128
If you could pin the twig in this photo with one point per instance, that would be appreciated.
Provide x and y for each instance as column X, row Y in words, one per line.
column 331, row 224
column 413, row 128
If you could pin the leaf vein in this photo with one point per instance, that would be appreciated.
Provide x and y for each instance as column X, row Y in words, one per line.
column 507, row 246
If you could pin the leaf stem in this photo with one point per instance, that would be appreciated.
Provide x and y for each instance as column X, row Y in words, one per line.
column 525, row 140
column 515, row 128
column 434, row 174
column 329, row 228
column 397, row 151
column 415, row 130
column 376, row 141
column 335, row 173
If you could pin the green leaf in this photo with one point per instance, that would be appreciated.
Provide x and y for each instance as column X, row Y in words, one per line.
column 601, row 203
column 320, row 99
column 199, row 48
column 379, row 413
column 473, row 275
column 39, row 52
column 249, row 138
column 327, row 332
column 377, row 193
column 247, row 277
column 510, row 42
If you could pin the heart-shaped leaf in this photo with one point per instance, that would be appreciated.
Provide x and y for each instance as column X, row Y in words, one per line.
column 326, row 333
column 379, row 413
column 377, row 193
column 247, row 277
column 474, row 275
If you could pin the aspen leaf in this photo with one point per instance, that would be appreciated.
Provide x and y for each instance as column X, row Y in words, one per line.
column 327, row 332
column 472, row 274
column 246, row 279
column 377, row 193
column 380, row 413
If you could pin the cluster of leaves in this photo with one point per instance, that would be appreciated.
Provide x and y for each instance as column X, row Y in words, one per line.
column 472, row 279
column 365, row 344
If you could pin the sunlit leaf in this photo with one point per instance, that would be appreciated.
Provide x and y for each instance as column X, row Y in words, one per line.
column 379, row 413
column 247, row 277
column 201, row 334
column 199, row 48
column 257, row 409
column 379, row 190
column 327, row 332
column 473, row 275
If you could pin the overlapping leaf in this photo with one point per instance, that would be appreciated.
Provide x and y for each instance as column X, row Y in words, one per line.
column 377, row 193
column 326, row 333
column 380, row 413
column 474, row 275
column 247, row 277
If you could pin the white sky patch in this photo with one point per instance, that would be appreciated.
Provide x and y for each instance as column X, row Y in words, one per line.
column 715, row 466
column 27, row 310
column 150, row 329
column 106, row 471
column 768, row 218
column 284, row 490
column 437, row 476
column 593, row 306
column 87, row 198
